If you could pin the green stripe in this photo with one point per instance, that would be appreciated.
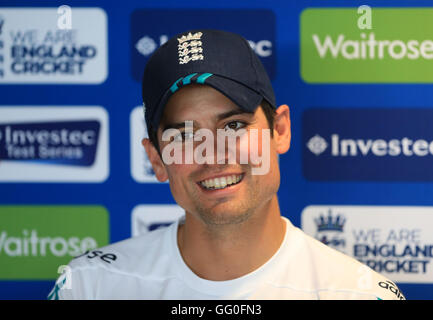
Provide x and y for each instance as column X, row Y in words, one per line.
column 187, row 79
column 174, row 87
column 203, row 77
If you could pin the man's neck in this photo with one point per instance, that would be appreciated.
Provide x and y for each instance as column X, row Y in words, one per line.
column 232, row 251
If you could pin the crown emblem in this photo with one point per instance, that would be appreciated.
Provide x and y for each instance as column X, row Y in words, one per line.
column 330, row 223
column 190, row 36
column 189, row 48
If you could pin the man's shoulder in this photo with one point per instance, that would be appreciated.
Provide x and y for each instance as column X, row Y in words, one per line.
column 100, row 272
column 339, row 276
column 132, row 255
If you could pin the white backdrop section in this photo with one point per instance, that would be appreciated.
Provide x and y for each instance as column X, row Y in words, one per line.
column 36, row 50
column 396, row 241
column 141, row 168
column 145, row 218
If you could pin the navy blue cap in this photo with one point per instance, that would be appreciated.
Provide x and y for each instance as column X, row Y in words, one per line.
column 220, row 59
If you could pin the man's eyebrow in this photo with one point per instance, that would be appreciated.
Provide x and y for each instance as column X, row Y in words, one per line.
column 233, row 113
column 179, row 125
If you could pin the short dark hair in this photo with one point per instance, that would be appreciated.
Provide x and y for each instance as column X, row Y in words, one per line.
column 268, row 110
column 270, row 113
column 153, row 137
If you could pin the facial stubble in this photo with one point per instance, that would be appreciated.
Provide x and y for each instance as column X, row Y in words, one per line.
column 233, row 209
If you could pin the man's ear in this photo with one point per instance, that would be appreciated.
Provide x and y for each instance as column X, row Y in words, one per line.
column 155, row 160
column 282, row 129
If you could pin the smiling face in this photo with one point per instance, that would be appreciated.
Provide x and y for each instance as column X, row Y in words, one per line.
column 216, row 193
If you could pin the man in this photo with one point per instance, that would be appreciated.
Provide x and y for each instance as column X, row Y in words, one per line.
column 232, row 242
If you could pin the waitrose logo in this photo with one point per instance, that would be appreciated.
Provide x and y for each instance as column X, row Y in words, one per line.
column 36, row 240
column 31, row 244
column 397, row 49
column 372, row 49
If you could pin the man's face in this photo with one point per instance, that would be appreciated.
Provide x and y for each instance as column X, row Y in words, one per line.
column 198, row 187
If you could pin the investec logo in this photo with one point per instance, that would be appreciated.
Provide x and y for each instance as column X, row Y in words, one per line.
column 393, row 50
column 345, row 147
column 63, row 142
column 148, row 33
column 375, row 144
column 147, row 45
column 53, row 144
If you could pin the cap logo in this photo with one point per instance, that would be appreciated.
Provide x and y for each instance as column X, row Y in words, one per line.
column 189, row 48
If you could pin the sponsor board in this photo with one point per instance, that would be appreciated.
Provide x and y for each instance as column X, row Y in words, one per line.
column 369, row 144
column 394, row 241
column 146, row 218
column 36, row 240
column 395, row 47
column 37, row 47
column 141, row 168
column 53, row 144
column 148, row 33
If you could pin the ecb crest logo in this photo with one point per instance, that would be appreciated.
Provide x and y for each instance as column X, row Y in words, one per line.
column 330, row 230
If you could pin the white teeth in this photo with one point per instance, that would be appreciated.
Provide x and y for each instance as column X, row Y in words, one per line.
column 229, row 180
column 216, row 182
column 222, row 182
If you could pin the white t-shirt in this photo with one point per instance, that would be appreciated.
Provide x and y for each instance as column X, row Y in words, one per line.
column 151, row 267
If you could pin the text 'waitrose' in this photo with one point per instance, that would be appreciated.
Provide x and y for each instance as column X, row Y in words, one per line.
column 370, row 48
column 30, row 244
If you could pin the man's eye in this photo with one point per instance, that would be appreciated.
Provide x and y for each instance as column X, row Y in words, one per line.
column 235, row 125
column 183, row 136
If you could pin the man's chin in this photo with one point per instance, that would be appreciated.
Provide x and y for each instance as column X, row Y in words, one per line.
column 221, row 217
